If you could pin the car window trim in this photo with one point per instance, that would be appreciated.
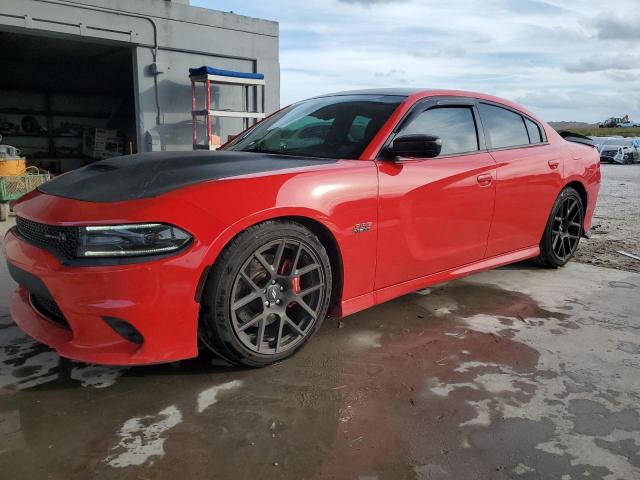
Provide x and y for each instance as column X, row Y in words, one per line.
column 483, row 135
column 449, row 155
column 490, row 148
column 518, row 147
column 428, row 103
column 524, row 119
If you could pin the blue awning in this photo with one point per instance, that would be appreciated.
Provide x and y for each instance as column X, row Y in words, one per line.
column 206, row 70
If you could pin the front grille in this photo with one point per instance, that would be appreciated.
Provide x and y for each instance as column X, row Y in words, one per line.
column 61, row 240
column 48, row 307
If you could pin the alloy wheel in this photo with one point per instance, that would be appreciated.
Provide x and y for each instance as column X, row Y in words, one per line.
column 567, row 228
column 277, row 296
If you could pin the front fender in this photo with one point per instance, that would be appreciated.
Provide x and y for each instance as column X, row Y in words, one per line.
column 274, row 213
column 337, row 200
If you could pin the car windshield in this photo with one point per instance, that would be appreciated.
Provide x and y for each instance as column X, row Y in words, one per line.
column 339, row 126
column 617, row 143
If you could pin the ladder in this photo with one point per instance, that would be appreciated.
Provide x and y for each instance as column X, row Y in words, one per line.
column 210, row 76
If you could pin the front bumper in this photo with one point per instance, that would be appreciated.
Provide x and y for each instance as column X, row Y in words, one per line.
column 157, row 298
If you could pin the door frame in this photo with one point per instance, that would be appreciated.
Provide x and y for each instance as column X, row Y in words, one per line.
column 428, row 103
column 419, row 107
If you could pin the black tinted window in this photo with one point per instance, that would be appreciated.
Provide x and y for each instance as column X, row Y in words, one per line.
column 339, row 126
column 506, row 128
column 454, row 125
column 534, row 131
column 359, row 128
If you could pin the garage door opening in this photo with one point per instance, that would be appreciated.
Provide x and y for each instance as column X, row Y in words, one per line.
column 66, row 103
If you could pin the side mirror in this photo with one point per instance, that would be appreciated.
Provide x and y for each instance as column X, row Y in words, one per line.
column 419, row 146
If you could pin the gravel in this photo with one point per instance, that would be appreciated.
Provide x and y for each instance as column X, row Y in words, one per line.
column 616, row 222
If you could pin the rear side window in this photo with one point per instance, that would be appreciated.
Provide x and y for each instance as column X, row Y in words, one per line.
column 505, row 128
column 534, row 131
column 454, row 125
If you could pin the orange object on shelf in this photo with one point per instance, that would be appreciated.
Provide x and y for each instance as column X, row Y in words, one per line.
column 12, row 167
column 214, row 141
column 11, row 163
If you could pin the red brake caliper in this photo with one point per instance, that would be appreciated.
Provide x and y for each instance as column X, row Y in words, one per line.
column 295, row 285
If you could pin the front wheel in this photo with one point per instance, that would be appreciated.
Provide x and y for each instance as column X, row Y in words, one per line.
column 563, row 231
column 267, row 294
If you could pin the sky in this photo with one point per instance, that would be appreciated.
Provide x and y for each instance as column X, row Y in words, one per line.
column 572, row 60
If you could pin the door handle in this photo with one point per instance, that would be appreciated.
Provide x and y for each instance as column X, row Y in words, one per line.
column 553, row 164
column 485, row 179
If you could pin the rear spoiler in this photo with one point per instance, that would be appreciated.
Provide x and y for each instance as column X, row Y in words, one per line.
column 577, row 138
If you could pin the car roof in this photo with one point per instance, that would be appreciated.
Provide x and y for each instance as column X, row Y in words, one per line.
column 419, row 93
column 410, row 92
column 402, row 92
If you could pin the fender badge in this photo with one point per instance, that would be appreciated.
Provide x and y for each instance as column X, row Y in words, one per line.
column 362, row 227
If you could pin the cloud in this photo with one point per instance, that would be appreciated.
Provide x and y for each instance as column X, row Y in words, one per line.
column 563, row 103
column 606, row 62
column 567, row 99
column 617, row 28
column 372, row 2
column 559, row 58
column 624, row 76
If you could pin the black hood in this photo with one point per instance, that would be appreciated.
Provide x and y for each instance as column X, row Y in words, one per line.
column 133, row 177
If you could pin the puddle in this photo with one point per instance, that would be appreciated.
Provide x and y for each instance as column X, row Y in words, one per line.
column 465, row 391
column 208, row 397
column 468, row 378
column 142, row 439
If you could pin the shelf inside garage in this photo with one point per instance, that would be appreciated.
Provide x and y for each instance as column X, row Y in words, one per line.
column 69, row 88
column 209, row 77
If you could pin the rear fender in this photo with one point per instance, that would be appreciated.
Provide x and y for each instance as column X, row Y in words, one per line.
column 585, row 170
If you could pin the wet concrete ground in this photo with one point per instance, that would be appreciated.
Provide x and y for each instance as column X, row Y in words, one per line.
column 515, row 373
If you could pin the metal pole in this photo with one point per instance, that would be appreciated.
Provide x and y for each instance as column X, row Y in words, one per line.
column 207, row 84
column 246, row 105
column 194, row 118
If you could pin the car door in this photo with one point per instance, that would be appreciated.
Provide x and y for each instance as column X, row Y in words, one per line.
column 435, row 213
column 529, row 178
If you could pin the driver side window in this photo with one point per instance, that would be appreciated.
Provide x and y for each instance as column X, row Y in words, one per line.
column 455, row 126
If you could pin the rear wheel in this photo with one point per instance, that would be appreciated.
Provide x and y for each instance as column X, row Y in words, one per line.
column 563, row 231
column 267, row 294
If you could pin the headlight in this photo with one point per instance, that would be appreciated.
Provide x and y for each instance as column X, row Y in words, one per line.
column 130, row 240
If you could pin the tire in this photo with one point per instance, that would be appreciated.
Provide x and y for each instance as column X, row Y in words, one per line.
column 4, row 212
column 257, row 310
column 563, row 230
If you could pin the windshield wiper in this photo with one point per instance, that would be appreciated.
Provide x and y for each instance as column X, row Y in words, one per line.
column 272, row 152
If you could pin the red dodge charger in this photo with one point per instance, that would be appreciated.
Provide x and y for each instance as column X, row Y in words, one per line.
column 333, row 204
